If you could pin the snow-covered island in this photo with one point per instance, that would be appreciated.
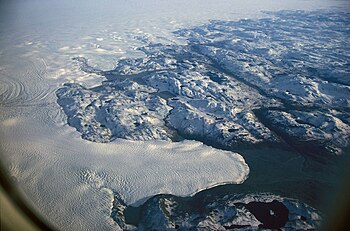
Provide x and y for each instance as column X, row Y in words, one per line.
column 231, row 212
column 272, row 80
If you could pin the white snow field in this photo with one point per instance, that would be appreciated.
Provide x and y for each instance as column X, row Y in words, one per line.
column 71, row 181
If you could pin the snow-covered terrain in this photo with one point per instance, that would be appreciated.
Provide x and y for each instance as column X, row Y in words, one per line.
column 165, row 104
column 132, row 77
column 211, row 88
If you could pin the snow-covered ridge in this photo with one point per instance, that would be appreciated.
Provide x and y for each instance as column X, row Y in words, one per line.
column 161, row 105
column 210, row 89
